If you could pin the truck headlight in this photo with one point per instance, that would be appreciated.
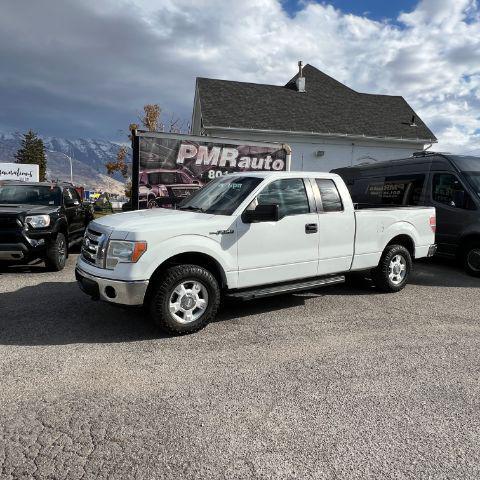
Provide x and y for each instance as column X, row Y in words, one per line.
column 38, row 221
column 123, row 251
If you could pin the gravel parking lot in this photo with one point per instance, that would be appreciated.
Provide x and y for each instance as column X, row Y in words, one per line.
column 339, row 383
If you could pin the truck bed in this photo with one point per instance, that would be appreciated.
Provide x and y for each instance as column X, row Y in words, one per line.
column 377, row 225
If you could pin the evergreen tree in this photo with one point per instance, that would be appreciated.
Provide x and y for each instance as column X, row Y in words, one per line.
column 32, row 151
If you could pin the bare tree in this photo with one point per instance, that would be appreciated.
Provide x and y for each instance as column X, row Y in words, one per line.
column 120, row 164
column 151, row 116
column 150, row 119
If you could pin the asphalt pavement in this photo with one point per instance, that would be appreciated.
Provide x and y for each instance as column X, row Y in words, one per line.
column 339, row 383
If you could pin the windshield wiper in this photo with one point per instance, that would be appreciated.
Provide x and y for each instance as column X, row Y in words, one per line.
column 192, row 209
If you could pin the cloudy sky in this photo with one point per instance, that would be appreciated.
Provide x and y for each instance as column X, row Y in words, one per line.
column 85, row 68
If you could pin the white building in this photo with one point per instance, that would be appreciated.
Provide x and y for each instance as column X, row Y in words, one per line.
column 327, row 124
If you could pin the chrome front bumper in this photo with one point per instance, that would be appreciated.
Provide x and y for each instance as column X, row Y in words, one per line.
column 113, row 291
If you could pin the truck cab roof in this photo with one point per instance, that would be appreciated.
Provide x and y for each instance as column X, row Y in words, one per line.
column 291, row 174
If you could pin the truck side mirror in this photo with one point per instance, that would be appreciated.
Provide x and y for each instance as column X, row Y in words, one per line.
column 262, row 213
column 70, row 202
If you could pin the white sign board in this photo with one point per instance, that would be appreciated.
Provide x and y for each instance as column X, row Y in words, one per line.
column 19, row 171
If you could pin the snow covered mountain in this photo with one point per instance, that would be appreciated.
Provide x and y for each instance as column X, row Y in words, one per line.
column 88, row 160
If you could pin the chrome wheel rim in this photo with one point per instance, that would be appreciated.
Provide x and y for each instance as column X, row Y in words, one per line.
column 473, row 259
column 397, row 270
column 188, row 301
column 152, row 204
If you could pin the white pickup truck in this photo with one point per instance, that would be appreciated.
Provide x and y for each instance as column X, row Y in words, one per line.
column 248, row 235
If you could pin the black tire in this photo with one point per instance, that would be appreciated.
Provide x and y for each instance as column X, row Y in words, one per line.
column 164, row 291
column 152, row 203
column 382, row 275
column 56, row 254
column 471, row 258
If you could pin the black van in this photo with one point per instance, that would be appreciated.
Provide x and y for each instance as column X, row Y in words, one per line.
column 450, row 183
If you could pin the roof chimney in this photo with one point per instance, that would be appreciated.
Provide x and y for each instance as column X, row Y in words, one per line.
column 300, row 82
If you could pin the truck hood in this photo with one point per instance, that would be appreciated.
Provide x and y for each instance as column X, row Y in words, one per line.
column 26, row 209
column 170, row 222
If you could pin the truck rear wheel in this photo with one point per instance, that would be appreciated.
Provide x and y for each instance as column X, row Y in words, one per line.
column 56, row 254
column 393, row 270
column 185, row 299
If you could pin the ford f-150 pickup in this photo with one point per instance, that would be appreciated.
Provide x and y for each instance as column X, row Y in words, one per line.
column 248, row 235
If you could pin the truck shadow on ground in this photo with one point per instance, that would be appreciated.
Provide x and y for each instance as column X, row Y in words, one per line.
column 34, row 267
column 442, row 272
column 57, row 313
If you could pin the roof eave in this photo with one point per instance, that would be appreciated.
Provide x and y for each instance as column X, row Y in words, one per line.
column 326, row 135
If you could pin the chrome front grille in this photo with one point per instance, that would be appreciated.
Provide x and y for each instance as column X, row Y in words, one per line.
column 93, row 247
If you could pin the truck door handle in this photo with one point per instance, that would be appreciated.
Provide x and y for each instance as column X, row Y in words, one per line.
column 311, row 228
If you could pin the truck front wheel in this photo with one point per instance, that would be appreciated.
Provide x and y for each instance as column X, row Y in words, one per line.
column 393, row 270
column 185, row 299
column 56, row 254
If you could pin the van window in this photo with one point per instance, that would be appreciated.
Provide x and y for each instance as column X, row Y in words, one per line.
column 389, row 190
column 331, row 200
column 447, row 189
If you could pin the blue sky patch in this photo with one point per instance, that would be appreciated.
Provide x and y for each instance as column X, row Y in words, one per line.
column 374, row 9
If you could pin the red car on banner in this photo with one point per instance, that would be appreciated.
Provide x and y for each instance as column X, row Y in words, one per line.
column 163, row 187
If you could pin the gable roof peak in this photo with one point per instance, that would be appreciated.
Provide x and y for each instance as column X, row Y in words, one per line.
column 315, row 78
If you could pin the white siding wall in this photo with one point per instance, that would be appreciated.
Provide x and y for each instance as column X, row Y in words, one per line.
column 338, row 152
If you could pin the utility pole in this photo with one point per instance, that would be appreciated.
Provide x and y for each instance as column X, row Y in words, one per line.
column 71, row 165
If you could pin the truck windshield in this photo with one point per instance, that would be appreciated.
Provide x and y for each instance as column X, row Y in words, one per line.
column 474, row 180
column 29, row 194
column 221, row 196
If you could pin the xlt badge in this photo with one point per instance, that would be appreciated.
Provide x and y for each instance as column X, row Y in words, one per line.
column 222, row 232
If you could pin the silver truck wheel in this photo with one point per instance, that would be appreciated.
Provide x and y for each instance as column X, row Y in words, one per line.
column 184, row 299
column 393, row 270
column 188, row 301
column 397, row 269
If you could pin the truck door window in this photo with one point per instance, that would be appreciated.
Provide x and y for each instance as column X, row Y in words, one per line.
column 161, row 178
column 289, row 194
column 75, row 195
column 447, row 189
column 67, row 196
column 331, row 200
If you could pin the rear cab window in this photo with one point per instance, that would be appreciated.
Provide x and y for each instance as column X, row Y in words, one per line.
column 331, row 200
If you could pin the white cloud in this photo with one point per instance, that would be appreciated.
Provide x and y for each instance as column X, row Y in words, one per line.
column 98, row 61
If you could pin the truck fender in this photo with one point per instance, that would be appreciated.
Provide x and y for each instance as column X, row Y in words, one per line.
column 60, row 225
column 401, row 228
column 192, row 244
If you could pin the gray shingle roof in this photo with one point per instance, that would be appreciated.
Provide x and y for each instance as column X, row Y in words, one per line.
column 327, row 106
